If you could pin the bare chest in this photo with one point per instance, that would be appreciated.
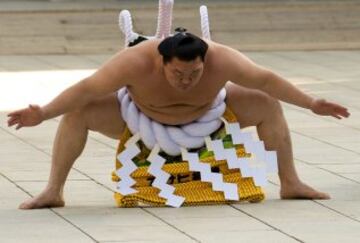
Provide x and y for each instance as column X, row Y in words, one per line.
column 159, row 100
column 155, row 91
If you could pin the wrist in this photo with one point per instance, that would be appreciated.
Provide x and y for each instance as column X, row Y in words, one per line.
column 310, row 103
column 44, row 113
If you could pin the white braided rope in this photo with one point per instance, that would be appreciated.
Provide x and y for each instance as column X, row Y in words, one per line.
column 168, row 17
column 171, row 138
column 160, row 21
column 126, row 26
column 164, row 18
column 204, row 17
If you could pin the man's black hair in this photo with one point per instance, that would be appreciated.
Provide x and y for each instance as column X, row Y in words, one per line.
column 183, row 45
column 137, row 41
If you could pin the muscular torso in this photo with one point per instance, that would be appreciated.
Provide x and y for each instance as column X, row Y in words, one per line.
column 156, row 98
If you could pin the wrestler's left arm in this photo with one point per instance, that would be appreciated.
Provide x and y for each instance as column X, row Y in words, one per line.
column 244, row 72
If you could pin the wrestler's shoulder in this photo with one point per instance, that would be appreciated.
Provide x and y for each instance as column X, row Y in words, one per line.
column 220, row 49
column 225, row 55
column 141, row 55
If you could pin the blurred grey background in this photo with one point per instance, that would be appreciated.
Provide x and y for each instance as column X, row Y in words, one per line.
column 91, row 27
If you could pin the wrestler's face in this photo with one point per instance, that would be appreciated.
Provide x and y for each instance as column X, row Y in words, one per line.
column 183, row 75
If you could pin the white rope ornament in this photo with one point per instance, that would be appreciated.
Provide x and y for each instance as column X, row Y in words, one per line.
column 164, row 18
column 171, row 138
column 204, row 19
column 126, row 26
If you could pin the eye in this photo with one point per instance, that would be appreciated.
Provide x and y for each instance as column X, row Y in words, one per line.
column 195, row 73
column 177, row 73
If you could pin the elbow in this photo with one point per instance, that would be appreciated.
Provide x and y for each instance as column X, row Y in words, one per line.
column 267, row 81
column 85, row 90
column 89, row 87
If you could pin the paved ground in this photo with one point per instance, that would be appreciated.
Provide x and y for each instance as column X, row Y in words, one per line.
column 326, row 151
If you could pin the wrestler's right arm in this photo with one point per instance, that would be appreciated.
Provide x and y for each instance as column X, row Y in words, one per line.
column 110, row 77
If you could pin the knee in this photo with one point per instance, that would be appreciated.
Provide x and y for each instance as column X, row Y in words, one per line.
column 273, row 106
column 74, row 117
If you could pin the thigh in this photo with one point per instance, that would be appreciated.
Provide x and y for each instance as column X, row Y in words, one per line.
column 103, row 115
column 250, row 106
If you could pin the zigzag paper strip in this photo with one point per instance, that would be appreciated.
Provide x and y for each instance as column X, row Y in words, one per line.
column 161, row 178
column 220, row 153
column 216, row 179
column 128, row 166
column 263, row 162
column 255, row 147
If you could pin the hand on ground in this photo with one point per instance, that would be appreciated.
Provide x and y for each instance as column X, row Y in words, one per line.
column 325, row 108
column 28, row 117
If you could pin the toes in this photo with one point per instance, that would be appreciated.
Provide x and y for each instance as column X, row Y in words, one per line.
column 316, row 195
column 305, row 192
column 36, row 203
column 22, row 206
column 30, row 204
column 323, row 196
column 26, row 205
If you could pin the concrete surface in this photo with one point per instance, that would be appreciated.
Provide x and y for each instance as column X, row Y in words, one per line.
column 326, row 152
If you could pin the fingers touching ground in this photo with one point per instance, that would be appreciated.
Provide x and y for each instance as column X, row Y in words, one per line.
column 30, row 116
column 342, row 111
column 338, row 111
column 15, row 120
column 325, row 108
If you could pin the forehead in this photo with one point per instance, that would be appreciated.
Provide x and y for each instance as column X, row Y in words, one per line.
column 181, row 65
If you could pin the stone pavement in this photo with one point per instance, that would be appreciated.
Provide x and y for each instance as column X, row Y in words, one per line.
column 326, row 152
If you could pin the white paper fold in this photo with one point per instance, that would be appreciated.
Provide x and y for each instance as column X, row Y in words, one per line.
column 161, row 178
column 260, row 162
column 124, row 186
column 216, row 179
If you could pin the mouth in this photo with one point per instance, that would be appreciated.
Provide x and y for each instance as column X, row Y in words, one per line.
column 183, row 87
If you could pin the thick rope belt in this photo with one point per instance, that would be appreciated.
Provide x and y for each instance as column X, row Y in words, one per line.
column 171, row 138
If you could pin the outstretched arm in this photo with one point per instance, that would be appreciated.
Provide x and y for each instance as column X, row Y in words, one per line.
column 109, row 78
column 243, row 71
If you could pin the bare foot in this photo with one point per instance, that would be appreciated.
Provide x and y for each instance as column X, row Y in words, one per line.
column 301, row 191
column 43, row 200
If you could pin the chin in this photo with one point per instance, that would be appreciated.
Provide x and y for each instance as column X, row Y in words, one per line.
column 182, row 88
